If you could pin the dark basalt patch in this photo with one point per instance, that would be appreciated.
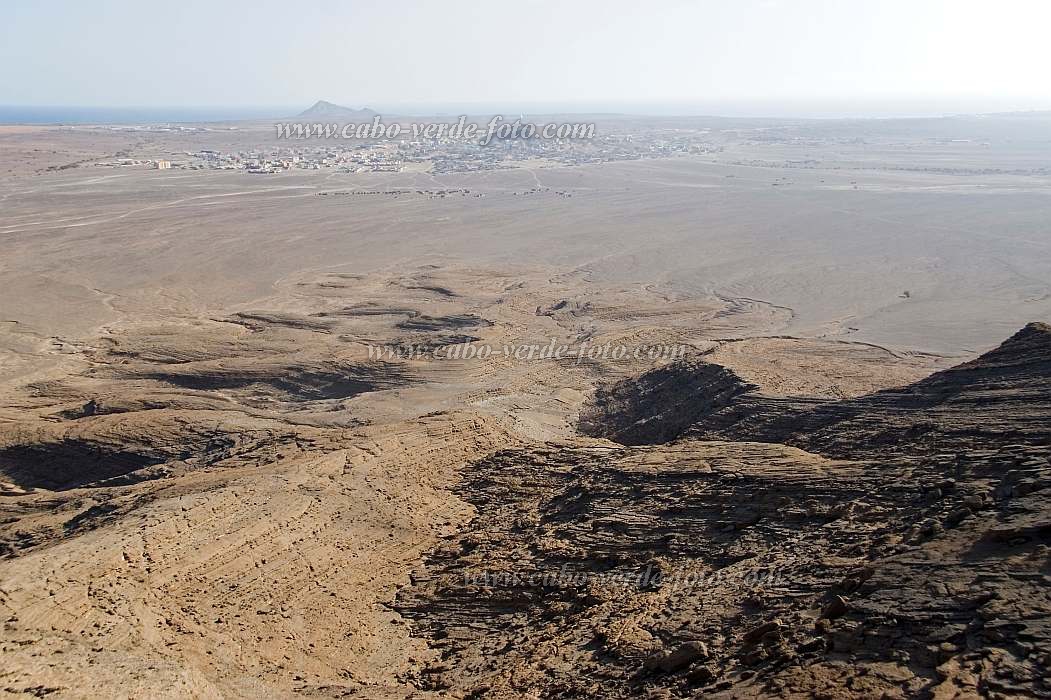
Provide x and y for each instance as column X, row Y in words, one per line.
column 262, row 321
column 293, row 384
column 433, row 289
column 662, row 404
column 422, row 322
column 367, row 310
column 998, row 399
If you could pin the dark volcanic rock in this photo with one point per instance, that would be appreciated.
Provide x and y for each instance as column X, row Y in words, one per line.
column 262, row 383
column 915, row 566
column 998, row 399
column 422, row 322
column 662, row 404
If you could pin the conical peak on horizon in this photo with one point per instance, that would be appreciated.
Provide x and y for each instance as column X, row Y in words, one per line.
column 329, row 110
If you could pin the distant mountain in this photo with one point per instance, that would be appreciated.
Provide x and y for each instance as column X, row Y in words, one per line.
column 329, row 111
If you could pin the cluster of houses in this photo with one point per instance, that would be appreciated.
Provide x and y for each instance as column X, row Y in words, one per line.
column 440, row 155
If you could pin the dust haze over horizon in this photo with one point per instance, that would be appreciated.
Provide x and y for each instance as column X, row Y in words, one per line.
column 753, row 57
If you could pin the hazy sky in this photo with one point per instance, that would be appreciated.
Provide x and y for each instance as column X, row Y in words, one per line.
column 292, row 52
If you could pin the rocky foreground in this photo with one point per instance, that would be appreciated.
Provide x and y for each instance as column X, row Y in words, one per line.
column 892, row 545
column 252, row 504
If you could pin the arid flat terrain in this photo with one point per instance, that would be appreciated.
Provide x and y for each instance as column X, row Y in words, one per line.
column 237, row 459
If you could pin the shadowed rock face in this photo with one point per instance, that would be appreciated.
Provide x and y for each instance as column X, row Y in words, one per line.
column 96, row 456
column 998, row 399
column 292, row 384
column 1001, row 398
column 915, row 565
column 422, row 322
column 70, row 463
column 661, row 405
